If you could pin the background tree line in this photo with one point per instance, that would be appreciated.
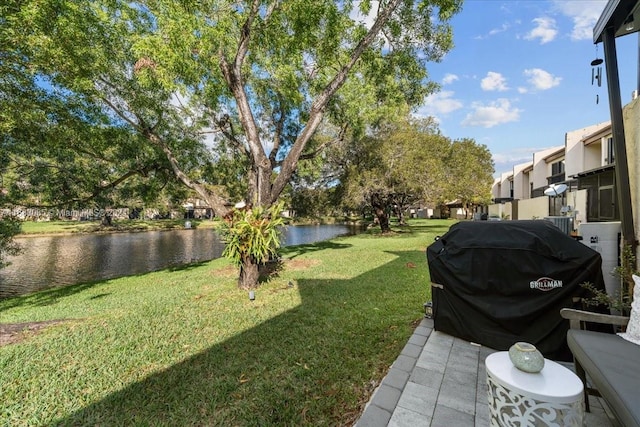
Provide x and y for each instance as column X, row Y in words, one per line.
column 403, row 163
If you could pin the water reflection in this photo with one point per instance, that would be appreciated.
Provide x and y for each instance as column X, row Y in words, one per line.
column 63, row 260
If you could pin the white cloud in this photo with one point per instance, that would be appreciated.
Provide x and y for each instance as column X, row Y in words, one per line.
column 439, row 103
column 449, row 78
column 492, row 114
column 545, row 30
column 505, row 161
column 541, row 79
column 494, row 31
column 584, row 15
column 494, row 81
column 501, row 29
column 514, row 157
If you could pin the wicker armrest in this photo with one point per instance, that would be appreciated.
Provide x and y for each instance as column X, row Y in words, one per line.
column 577, row 317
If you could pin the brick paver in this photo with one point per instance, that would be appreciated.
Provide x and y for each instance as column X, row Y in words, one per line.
column 440, row 380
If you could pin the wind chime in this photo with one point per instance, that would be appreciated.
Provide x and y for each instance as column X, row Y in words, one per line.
column 596, row 73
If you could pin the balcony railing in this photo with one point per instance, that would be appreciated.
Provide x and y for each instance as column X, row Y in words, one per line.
column 554, row 179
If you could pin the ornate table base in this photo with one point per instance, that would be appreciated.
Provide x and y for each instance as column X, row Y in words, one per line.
column 509, row 408
column 519, row 399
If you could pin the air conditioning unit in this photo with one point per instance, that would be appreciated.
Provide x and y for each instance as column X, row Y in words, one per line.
column 564, row 223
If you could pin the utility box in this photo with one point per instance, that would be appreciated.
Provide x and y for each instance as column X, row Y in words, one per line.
column 604, row 238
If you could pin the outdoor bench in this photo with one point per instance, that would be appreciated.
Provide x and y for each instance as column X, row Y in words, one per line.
column 611, row 362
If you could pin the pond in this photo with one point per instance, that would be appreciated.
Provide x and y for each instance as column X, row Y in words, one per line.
column 53, row 261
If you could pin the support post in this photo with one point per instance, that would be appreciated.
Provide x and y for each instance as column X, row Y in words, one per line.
column 619, row 143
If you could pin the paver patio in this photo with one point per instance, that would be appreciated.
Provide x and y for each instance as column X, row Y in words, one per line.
column 440, row 380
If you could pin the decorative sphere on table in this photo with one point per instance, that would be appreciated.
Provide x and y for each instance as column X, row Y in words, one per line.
column 526, row 357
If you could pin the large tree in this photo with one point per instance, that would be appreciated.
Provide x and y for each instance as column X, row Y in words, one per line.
column 469, row 173
column 407, row 161
column 141, row 84
column 400, row 163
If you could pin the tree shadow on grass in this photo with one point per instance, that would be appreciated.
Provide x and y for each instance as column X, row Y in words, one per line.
column 295, row 251
column 186, row 266
column 438, row 228
column 48, row 296
column 315, row 364
column 53, row 295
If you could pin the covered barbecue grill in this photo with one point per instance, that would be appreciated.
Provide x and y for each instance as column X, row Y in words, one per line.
column 496, row 283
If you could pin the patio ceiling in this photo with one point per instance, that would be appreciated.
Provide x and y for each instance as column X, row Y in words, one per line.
column 622, row 15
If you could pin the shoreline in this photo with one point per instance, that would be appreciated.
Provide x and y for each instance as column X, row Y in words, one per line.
column 64, row 228
column 196, row 224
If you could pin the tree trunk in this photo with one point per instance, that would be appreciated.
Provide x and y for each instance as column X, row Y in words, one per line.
column 106, row 220
column 379, row 209
column 249, row 274
column 400, row 215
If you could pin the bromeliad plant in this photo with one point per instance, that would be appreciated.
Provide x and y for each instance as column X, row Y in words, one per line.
column 252, row 238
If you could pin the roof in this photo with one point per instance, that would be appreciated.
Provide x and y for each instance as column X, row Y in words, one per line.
column 556, row 155
column 598, row 135
column 595, row 171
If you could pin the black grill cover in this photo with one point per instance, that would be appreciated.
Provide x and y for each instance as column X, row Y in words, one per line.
column 499, row 282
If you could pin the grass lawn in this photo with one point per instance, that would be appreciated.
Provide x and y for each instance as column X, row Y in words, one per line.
column 186, row 347
column 65, row 227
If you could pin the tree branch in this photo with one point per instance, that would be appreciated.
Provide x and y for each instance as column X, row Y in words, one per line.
column 272, row 7
column 277, row 137
column 311, row 154
column 233, row 76
column 320, row 103
column 230, row 134
column 245, row 33
column 217, row 203
column 121, row 114
column 143, row 171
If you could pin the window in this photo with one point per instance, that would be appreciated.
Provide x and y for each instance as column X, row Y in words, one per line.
column 606, row 203
column 601, row 196
column 557, row 168
column 611, row 156
column 557, row 172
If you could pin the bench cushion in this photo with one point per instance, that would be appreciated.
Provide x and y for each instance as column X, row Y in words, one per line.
column 613, row 364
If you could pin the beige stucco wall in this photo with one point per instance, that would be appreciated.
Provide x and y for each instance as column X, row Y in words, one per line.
column 536, row 208
column 593, row 156
column 541, row 169
column 505, row 184
column 521, row 181
column 578, row 201
column 500, row 210
column 575, row 159
column 631, row 117
column 495, row 189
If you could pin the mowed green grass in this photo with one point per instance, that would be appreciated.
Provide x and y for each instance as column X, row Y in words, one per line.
column 186, row 347
column 66, row 227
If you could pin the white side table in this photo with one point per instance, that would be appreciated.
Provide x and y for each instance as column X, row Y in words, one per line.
column 552, row 397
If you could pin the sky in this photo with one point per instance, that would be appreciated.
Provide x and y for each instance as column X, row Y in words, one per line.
column 519, row 76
